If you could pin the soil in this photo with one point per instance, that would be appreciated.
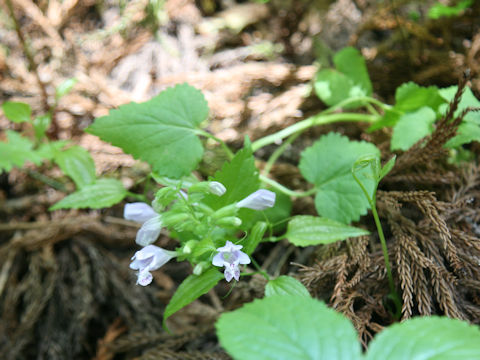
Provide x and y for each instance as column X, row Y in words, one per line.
column 66, row 291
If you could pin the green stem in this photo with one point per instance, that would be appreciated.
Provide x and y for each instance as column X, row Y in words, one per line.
column 319, row 119
column 220, row 141
column 286, row 190
column 383, row 242
column 140, row 197
column 259, row 269
column 47, row 180
column 278, row 152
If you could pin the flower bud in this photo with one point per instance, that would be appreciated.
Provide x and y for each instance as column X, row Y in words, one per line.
column 175, row 218
column 149, row 231
column 139, row 212
column 189, row 246
column 217, row 188
column 229, row 210
column 230, row 221
column 259, row 200
column 200, row 268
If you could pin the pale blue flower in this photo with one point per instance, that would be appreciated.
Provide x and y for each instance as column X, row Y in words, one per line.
column 138, row 212
column 259, row 200
column 230, row 256
column 150, row 220
column 148, row 259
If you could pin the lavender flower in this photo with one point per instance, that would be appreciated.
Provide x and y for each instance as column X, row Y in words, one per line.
column 148, row 259
column 230, row 256
column 144, row 214
column 259, row 200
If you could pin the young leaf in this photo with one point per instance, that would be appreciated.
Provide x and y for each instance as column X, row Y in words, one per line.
column 438, row 10
column 41, row 124
column 350, row 62
column 77, row 163
column 387, row 168
column 311, row 230
column 16, row 152
column 65, row 87
column 49, row 149
column 191, row 289
column 328, row 165
column 285, row 285
column 285, row 327
column 240, row 178
column 102, row 193
column 17, row 112
column 161, row 131
column 411, row 127
column 425, row 338
column 410, row 97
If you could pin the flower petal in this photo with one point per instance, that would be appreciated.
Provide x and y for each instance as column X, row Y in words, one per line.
column 144, row 278
column 242, row 258
column 259, row 200
column 139, row 212
column 218, row 259
column 149, row 231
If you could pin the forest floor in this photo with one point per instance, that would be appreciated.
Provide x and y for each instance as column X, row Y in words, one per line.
column 66, row 290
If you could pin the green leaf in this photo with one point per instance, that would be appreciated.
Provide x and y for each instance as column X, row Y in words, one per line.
column 102, row 193
column 466, row 133
column 191, row 289
column 307, row 230
column 65, row 87
column 468, row 100
column 240, row 178
column 161, row 131
column 284, row 327
column 49, row 150
column 411, row 127
column 333, row 87
column 40, row 125
column 350, row 62
column 77, row 163
column 328, row 165
column 410, row 97
column 439, row 10
column 434, row 338
column 255, row 237
column 285, row 285
column 16, row 152
column 17, row 112
column 387, row 168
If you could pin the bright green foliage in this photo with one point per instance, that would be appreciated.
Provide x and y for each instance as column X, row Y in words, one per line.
column 17, row 112
column 439, row 10
column 191, row 289
column 304, row 230
column 65, row 87
column 285, row 285
column 48, row 150
column 409, row 98
column 16, row 152
column 328, row 165
column 240, row 178
column 41, row 124
column 100, row 194
column 411, row 127
column 298, row 327
column 386, row 168
column 161, row 131
column 285, row 327
column 469, row 129
column 255, row 237
column 77, row 163
column 349, row 80
column 428, row 338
